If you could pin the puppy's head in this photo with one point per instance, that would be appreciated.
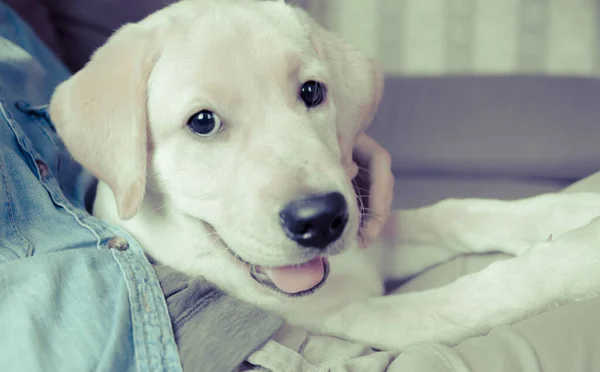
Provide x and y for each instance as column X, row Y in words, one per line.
column 237, row 115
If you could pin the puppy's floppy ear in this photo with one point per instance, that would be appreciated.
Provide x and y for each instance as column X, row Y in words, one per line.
column 100, row 114
column 356, row 85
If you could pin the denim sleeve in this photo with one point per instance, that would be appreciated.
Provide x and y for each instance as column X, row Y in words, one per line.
column 213, row 331
column 75, row 293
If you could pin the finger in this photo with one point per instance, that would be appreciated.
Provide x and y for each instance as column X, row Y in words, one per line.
column 363, row 242
column 381, row 190
column 364, row 236
column 372, row 229
column 352, row 170
column 368, row 153
column 365, row 148
column 373, row 226
column 382, row 181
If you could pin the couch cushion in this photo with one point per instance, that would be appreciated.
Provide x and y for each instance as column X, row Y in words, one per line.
column 535, row 127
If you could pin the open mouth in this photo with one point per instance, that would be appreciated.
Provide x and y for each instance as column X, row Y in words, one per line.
column 293, row 280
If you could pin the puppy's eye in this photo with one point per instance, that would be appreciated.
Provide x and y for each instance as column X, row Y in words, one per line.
column 313, row 93
column 205, row 123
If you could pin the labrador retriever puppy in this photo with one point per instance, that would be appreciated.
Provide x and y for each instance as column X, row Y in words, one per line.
column 221, row 132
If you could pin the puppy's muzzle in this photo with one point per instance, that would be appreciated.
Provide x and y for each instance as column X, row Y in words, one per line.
column 316, row 221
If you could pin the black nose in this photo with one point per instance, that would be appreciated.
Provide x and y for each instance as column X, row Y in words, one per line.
column 316, row 221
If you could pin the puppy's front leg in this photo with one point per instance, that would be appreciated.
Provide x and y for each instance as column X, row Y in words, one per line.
column 549, row 274
column 416, row 239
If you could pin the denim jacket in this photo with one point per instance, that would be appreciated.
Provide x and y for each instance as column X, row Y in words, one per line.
column 75, row 293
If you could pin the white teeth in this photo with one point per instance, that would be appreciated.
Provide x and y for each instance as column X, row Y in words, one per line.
column 256, row 272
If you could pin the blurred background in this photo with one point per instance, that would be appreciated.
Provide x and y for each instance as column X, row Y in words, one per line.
column 433, row 37
column 483, row 98
column 494, row 98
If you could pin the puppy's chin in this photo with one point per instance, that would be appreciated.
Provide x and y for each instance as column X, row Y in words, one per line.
column 291, row 271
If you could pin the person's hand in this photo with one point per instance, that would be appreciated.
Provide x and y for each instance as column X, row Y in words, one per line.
column 374, row 185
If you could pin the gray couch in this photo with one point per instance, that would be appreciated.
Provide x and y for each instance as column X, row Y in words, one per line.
column 500, row 137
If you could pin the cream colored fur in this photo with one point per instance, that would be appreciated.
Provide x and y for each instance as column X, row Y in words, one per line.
column 192, row 201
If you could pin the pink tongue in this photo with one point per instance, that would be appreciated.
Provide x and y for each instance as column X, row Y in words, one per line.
column 298, row 278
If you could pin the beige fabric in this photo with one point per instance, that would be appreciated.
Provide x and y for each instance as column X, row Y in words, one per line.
column 562, row 339
column 441, row 37
column 295, row 350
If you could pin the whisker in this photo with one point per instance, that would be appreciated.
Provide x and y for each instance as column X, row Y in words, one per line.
column 162, row 206
column 359, row 195
column 374, row 217
column 364, row 170
column 370, row 210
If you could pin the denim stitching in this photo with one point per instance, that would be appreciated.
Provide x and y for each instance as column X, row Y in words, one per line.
column 50, row 183
column 137, row 289
column 43, row 124
column 9, row 203
column 40, row 115
column 11, row 216
column 136, row 325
